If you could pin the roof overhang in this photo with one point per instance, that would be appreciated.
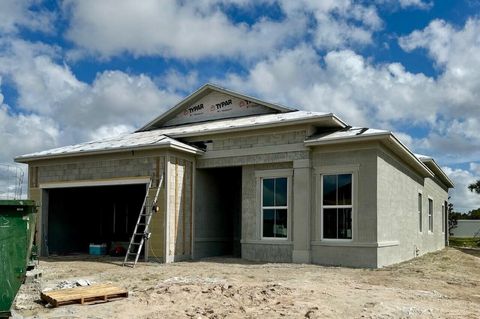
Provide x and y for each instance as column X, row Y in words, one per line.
column 430, row 162
column 168, row 146
column 385, row 137
column 333, row 120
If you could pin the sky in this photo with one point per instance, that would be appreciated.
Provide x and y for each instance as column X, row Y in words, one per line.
column 77, row 70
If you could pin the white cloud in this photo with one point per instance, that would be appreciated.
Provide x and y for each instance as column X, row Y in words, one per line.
column 15, row 14
column 337, row 24
column 196, row 30
column 342, row 82
column 59, row 109
column 461, row 197
column 170, row 28
column 475, row 167
column 418, row 4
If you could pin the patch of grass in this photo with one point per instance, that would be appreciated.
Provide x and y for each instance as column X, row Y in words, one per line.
column 464, row 242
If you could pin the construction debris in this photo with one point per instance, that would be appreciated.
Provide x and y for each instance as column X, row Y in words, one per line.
column 82, row 295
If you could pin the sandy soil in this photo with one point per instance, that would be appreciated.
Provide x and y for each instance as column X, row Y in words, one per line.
column 444, row 284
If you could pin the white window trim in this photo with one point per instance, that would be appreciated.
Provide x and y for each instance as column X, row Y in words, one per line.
column 420, row 212
column 443, row 214
column 430, row 231
column 276, row 173
column 336, row 170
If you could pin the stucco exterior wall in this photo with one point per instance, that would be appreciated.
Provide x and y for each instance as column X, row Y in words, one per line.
column 398, row 218
column 360, row 160
column 253, row 247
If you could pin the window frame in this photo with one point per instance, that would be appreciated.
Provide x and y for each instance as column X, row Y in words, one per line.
column 269, row 174
column 444, row 214
column 352, row 206
column 420, row 211
column 431, row 210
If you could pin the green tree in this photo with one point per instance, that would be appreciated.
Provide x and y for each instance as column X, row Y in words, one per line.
column 453, row 218
column 475, row 187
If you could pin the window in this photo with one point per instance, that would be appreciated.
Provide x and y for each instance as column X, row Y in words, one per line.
column 275, row 207
column 420, row 212
column 430, row 215
column 337, row 206
column 444, row 214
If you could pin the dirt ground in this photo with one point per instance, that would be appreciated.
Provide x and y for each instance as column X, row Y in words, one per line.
column 445, row 284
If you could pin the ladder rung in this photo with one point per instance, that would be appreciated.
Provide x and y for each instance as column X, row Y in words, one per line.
column 147, row 214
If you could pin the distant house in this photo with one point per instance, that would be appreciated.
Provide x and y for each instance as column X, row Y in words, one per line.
column 467, row 228
column 247, row 178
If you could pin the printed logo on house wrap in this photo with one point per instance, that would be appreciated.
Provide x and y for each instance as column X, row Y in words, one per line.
column 217, row 105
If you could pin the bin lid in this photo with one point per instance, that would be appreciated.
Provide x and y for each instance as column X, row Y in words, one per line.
column 17, row 202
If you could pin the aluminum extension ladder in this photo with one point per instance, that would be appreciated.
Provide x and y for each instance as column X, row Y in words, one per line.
column 141, row 230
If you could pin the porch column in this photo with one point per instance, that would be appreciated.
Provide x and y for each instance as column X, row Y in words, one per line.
column 301, row 210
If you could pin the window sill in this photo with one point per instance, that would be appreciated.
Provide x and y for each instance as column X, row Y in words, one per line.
column 268, row 242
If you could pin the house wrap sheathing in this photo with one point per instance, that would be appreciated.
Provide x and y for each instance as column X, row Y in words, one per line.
column 246, row 178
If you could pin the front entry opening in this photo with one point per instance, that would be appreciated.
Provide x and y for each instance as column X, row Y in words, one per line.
column 80, row 216
column 218, row 208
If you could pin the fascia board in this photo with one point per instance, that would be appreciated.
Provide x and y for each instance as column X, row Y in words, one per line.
column 381, row 136
column 311, row 120
column 440, row 172
column 190, row 150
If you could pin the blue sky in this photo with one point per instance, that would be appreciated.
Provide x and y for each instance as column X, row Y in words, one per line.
column 72, row 71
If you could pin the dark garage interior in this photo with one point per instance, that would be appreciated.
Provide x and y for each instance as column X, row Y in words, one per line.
column 80, row 216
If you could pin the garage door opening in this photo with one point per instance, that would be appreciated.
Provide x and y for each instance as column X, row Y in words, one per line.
column 80, row 216
column 218, row 207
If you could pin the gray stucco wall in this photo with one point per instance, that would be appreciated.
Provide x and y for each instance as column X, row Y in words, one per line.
column 398, row 218
column 362, row 249
column 253, row 247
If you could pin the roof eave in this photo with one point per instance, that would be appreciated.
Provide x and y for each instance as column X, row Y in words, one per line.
column 189, row 149
column 381, row 136
column 310, row 120
column 441, row 174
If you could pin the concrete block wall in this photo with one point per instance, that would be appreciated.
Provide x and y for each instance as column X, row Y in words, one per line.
column 277, row 138
column 156, row 242
column 95, row 170
column 233, row 149
column 252, row 159
column 179, row 208
column 98, row 168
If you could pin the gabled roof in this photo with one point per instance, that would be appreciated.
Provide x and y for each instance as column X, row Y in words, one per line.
column 126, row 142
column 202, row 92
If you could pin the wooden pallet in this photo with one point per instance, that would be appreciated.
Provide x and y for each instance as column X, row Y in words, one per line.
column 83, row 295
